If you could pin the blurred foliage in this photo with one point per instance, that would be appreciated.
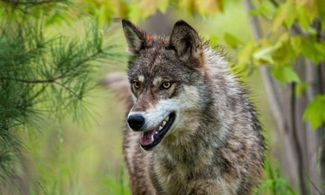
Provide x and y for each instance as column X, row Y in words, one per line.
column 137, row 10
column 315, row 111
column 296, row 30
column 48, row 68
column 292, row 26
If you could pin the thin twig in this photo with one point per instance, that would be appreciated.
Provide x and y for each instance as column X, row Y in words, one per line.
column 300, row 159
column 32, row 81
column 31, row 3
column 68, row 89
column 46, row 81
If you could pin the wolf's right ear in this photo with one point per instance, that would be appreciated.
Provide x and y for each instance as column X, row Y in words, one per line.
column 187, row 43
column 134, row 36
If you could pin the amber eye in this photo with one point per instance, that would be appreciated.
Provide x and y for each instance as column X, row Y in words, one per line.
column 166, row 85
column 136, row 85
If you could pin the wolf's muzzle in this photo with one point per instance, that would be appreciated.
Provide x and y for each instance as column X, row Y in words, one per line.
column 136, row 121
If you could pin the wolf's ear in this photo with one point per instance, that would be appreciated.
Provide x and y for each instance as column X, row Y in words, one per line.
column 186, row 42
column 134, row 36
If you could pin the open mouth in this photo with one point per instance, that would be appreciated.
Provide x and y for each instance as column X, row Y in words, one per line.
column 150, row 139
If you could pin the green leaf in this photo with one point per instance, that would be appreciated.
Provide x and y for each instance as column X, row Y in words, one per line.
column 313, row 50
column 264, row 55
column 163, row 5
column 315, row 112
column 311, row 7
column 244, row 63
column 285, row 74
column 303, row 18
column 246, row 53
column 149, row 7
column 286, row 15
column 284, row 53
column 265, row 9
column 134, row 14
column 291, row 16
column 231, row 40
column 296, row 45
column 213, row 40
column 209, row 7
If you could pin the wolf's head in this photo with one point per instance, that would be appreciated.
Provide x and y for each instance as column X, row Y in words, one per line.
column 168, row 82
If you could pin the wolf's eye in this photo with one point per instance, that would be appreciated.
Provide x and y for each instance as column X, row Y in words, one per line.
column 136, row 85
column 166, row 85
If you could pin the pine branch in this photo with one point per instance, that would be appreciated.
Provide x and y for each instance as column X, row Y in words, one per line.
column 32, row 2
column 41, row 74
column 46, row 81
column 68, row 89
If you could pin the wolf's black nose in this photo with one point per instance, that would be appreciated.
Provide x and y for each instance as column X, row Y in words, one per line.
column 136, row 121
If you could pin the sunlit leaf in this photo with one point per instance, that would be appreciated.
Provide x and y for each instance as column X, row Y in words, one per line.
column 265, row 9
column 315, row 112
column 213, row 41
column 188, row 5
column 163, row 5
column 284, row 53
column 209, row 6
column 291, row 16
column 120, row 8
column 244, row 64
column 285, row 74
column 296, row 45
column 246, row 53
column 231, row 40
column 280, row 17
column 311, row 7
column 264, row 55
column 313, row 50
column 148, row 7
column 303, row 18
column 134, row 14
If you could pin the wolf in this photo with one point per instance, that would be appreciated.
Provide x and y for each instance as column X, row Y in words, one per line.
column 190, row 128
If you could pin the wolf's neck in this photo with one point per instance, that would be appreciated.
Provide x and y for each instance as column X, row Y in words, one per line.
column 189, row 148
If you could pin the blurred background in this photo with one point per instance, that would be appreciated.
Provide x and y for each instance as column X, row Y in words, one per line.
column 61, row 128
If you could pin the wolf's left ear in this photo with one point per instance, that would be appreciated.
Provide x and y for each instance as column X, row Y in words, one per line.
column 186, row 42
column 134, row 36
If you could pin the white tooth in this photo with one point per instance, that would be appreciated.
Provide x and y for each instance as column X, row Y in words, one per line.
column 156, row 132
column 160, row 128
column 163, row 123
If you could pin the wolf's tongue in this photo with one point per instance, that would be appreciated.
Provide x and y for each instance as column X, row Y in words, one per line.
column 147, row 138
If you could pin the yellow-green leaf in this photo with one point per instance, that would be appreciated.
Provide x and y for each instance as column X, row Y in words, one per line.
column 209, row 6
column 163, row 5
column 134, row 14
column 264, row 55
column 279, row 18
column 315, row 112
column 231, row 40
column 148, row 7
column 285, row 74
